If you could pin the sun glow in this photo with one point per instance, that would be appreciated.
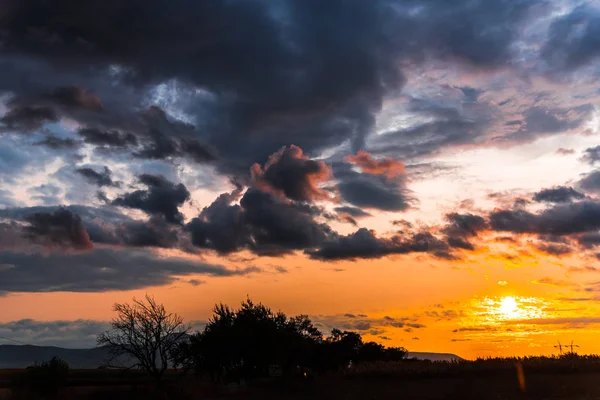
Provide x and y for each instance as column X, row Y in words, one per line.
column 494, row 310
column 509, row 307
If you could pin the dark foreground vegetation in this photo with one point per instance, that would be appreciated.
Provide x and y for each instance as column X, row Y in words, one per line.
column 254, row 353
column 569, row 377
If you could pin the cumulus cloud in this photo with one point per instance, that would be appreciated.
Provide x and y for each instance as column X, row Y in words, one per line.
column 462, row 227
column 364, row 244
column 262, row 222
column 293, row 174
column 386, row 167
column 558, row 194
column 591, row 155
column 561, row 219
column 98, row 178
column 371, row 191
column 590, row 182
column 61, row 228
column 162, row 198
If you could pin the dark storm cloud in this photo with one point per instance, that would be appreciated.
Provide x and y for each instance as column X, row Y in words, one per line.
column 371, row 191
column 461, row 228
column 364, row 244
column 107, row 138
column 591, row 182
column 558, row 194
column 441, row 125
column 561, row 219
column 290, row 172
column 106, row 226
column 61, row 228
column 57, row 143
column 74, row 97
column 25, row 119
column 591, row 155
column 99, row 270
column 573, row 39
column 272, row 73
column 162, row 197
column 589, row 240
column 165, row 138
column 155, row 232
column 98, row 178
column 262, row 222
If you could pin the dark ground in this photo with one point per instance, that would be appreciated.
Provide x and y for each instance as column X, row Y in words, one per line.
column 497, row 386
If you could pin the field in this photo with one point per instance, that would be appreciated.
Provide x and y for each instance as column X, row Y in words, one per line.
column 498, row 379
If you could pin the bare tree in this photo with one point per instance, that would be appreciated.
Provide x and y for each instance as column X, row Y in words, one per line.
column 145, row 331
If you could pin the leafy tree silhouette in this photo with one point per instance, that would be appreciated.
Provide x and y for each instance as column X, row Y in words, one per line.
column 247, row 342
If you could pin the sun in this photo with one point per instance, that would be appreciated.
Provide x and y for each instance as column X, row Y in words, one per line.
column 508, row 307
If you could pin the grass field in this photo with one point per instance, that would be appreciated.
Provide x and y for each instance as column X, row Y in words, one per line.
column 552, row 378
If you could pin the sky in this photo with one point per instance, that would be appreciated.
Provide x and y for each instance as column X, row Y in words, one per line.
column 421, row 172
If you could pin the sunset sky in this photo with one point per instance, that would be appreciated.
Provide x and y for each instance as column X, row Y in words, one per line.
column 421, row 172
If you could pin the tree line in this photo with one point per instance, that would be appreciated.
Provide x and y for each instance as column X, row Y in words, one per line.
column 249, row 342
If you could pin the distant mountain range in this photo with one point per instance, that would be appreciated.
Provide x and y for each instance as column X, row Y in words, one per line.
column 434, row 356
column 22, row 356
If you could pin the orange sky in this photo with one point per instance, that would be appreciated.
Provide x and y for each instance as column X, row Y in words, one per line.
column 425, row 173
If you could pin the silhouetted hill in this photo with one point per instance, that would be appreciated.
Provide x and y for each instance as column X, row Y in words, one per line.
column 21, row 356
column 434, row 356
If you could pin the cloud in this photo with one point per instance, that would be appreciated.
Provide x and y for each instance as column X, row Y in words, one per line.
column 25, row 119
column 275, row 95
column 474, row 329
column 573, row 39
column 561, row 219
column 556, row 321
column 57, row 143
column 46, row 193
column 107, row 226
column 553, row 282
column 101, row 269
column 591, row 155
column 555, row 249
column 293, row 174
column 371, row 191
column 108, row 138
column 263, row 223
column 591, row 182
column 69, row 334
column 589, row 239
column 386, row 167
column 462, row 227
column 162, row 198
column 558, row 194
column 352, row 211
column 59, row 229
column 363, row 244
column 74, row 97
column 565, row 152
column 98, row 178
